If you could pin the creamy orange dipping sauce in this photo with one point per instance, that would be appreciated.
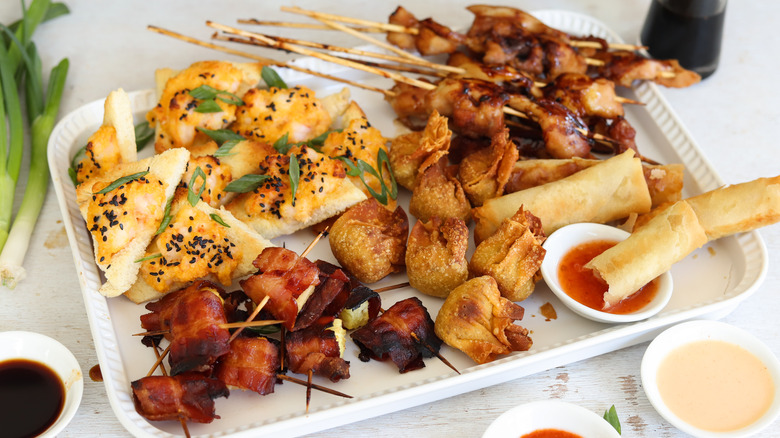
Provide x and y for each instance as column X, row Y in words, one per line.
column 586, row 288
column 715, row 385
column 550, row 433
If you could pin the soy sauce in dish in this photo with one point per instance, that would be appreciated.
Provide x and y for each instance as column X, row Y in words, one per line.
column 32, row 396
column 687, row 30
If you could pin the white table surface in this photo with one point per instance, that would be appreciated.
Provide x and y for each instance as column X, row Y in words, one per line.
column 733, row 116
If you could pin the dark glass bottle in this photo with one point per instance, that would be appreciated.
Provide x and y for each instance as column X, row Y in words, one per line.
column 687, row 30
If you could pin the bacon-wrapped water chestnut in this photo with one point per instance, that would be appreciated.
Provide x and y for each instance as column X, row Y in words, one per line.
column 328, row 297
column 389, row 336
column 194, row 316
column 286, row 278
column 362, row 305
column 188, row 396
column 369, row 241
column 436, row 256
column 477, row 320
column 251, row 364
column 318, row 348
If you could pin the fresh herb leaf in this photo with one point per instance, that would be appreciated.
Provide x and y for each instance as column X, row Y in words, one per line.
column 272, row 78
column 143, row 134
column 73, row 176
column 281, row 144
column 295, row 174
column 265, row 330
column 208, row 106
column 206, row 92
column 123, row 180
column 221, row 135
column 246, row 183
column 193, row 197
column 226, row 148
column 149, row 257
column 74, row 164
column 216, row 218
column 612, row 418
column 361, row 168
column 166, row 217
column 320, row 139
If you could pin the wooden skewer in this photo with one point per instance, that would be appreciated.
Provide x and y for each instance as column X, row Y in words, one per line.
column 260, row 59
column 303, row 25
column 313, row 385
column 229, row 325
column 372, row 40
column 251, row 317
column 432, row 350
column 308, row 389
column 384, row 26
column 597, row 45
column 159, row 360
column 392, row 287
column 325, row 57
column 334, row 48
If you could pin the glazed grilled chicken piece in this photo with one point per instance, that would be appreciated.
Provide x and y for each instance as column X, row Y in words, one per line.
column 624, row 67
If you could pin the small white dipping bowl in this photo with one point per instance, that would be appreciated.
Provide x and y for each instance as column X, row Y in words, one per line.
column 564, row 239
column 550, row 414
column 693, row 331
column 43, row 349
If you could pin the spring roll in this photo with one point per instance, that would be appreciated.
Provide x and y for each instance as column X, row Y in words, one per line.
column 665, row 181
column 610, row 190
column 648, row 252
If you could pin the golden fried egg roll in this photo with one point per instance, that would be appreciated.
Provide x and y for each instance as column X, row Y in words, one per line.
column 648, row 252
column 610, row 190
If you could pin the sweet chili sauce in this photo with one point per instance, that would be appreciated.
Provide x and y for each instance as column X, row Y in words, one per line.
column 550, row 433
column 586, row 288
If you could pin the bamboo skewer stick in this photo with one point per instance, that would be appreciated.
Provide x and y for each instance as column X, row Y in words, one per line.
column 260, row 59
column 392, row 287
column 597, row 45
column 159, row 360
column 312, row 53
column 372, row 40
column 432, row 350
column 294, row 25
column 309, row 375
column 228, row 325
column 257, row 310
column 313, row 385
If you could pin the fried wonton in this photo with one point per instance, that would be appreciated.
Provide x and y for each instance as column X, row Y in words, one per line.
column 437, row 193
column 409, row 151
column 478, row 321
column 436, row 256
column 484, row 173
column 512, row 256
column 370, row 241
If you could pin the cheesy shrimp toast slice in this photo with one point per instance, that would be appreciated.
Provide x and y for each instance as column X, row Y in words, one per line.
column 282, row 204
column 123, row 209
column 175, row 119
column 114, row 142
column 199, row 243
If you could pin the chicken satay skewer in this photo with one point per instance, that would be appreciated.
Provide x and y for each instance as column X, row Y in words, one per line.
column 600, row 63
column 262, row 60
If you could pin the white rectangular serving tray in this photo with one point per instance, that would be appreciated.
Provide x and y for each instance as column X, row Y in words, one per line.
column 709, row 283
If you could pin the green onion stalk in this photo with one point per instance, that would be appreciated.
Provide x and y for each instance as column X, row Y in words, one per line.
column 11, row 270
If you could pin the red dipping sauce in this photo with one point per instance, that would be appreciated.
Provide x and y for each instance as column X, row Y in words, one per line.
column 586, row 288
column 551, row 433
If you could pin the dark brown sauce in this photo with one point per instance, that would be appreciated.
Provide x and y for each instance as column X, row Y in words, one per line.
column 687, row 30
column 31, row 398
column 96, row 374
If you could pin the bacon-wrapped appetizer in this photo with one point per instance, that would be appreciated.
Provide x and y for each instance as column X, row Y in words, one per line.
column 286, row 278
column 478, row 321
column 328, row 297
column 318, row 348
column 251, row 364
column 392, row 336
column 188, row 396
column 194, row 317
column 369, row 241
column 436, row 256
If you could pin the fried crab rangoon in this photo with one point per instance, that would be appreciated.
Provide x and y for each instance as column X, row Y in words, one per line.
column 484, row 173
column 437, row 193
column 512, row 256
column 478, row 321
column 409, row 151
column 370, row 240
column 436, row 256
